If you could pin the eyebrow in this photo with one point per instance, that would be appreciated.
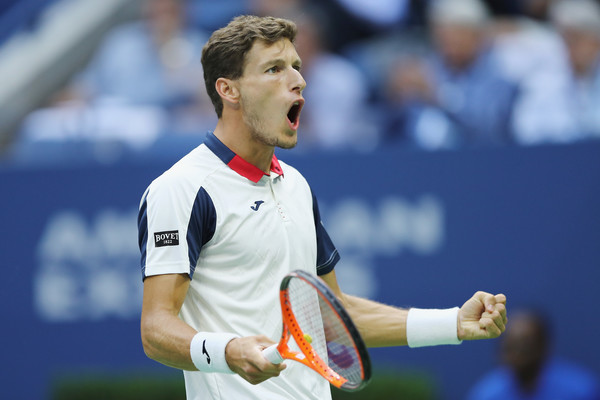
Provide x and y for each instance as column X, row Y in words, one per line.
column 279, row 61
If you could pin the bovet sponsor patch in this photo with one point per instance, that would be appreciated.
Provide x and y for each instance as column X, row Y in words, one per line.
column 166, row 238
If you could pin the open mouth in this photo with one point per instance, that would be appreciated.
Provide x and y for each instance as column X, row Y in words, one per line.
column 293, row 114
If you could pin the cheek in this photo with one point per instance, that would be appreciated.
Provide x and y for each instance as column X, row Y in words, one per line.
column 259, row 97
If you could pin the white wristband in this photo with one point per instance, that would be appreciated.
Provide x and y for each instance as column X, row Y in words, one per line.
column 208, row 351
column 432, row 327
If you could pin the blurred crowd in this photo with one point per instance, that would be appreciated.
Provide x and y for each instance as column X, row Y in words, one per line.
column 423, row 74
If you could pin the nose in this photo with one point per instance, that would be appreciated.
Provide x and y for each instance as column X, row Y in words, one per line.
column 297, row 81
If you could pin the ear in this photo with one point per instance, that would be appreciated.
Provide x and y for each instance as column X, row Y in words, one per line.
column 228, row 91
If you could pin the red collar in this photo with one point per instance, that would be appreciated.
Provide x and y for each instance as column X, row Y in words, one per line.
column 250, row 171
column 237, row 163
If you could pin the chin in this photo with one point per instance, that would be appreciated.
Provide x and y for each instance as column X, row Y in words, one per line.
column 288, row 140
column 287, row 144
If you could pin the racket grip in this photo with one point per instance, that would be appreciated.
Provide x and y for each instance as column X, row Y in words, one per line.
column 272, row 354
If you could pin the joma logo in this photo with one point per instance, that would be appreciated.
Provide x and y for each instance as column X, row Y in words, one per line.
column 166, row 238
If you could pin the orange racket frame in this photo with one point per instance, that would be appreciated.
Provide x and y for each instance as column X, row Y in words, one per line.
column 307, row 355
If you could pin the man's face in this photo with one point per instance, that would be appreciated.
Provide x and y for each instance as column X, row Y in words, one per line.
column 271, row 93
column 584, row 48
column 459, row 45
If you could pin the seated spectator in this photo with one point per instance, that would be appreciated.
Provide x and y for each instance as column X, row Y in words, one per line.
column 529, row 371
column 530, row 54
column 456, row 97
column 579, row 25
column 145, row 80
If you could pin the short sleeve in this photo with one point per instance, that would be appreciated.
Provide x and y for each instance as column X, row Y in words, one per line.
column 327, row 255
column 173, row 225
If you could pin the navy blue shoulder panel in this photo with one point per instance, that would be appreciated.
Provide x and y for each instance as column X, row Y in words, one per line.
column 327, row 254
column 201, row 227
column 142, row 221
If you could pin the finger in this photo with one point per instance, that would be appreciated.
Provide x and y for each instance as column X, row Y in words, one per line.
column 499, row 321
column 490, row 327
column 501, row 308
column 500, row 298
column 256, row 373
column 497, row 317
column 255, row 379
column 280, row 367
column 272, row 369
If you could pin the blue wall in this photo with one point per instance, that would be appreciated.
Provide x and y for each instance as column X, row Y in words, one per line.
column 414, row 229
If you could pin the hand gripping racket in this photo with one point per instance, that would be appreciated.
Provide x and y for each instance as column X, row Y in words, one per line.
column 328, row 341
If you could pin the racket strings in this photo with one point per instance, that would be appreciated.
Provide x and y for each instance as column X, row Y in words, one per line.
column 341, row 349
column 304, row 301
column 327, row 332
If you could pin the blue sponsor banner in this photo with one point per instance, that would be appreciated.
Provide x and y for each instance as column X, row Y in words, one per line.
column 414, row 229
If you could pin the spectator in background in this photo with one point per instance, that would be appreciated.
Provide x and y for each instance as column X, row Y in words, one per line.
column 529, row 371
column 530, row 54
column 536, row 9
column 579, row 25
column 145, row 80
column 457, row 97
column 556, row 66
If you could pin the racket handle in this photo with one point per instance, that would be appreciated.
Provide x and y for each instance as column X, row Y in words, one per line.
column 272, row 354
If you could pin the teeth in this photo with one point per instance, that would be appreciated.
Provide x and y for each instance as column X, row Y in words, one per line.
column 297, row 103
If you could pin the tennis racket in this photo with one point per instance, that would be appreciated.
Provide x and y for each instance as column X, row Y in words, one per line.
column 327, row 340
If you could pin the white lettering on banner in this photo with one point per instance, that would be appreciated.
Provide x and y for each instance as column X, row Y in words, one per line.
column 88, row 270
column 391, row 227
column 363, row 231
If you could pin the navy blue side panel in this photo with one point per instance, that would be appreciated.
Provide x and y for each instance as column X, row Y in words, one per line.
column 327, row 254
column 201, row 228
column 143, row 233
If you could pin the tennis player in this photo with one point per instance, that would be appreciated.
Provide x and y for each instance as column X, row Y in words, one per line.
column 220, row 229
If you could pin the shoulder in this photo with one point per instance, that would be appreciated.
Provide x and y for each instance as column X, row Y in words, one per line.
column 190, row 172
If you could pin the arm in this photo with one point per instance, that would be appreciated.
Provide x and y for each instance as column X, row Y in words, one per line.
column 482, row 316
column 167, row 339
column 379, row 324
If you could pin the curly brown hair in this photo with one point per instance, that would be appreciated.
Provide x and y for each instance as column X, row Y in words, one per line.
column 224, row 55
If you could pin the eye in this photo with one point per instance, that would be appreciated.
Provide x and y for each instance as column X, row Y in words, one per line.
column 273, row 70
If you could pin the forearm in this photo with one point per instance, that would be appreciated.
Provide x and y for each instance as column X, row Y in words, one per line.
column 483, row 316
column 379, row 325
column 166, row 339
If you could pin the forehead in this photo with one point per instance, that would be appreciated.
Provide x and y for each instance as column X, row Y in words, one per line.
column 263, row 52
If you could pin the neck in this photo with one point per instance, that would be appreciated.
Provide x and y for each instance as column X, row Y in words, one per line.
column 238, row 138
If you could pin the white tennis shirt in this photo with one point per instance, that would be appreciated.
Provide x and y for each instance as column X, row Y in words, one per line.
column 236, row 232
